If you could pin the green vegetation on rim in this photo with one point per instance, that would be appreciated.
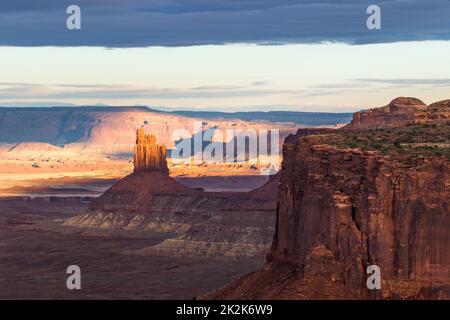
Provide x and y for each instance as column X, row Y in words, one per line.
column 415, row 140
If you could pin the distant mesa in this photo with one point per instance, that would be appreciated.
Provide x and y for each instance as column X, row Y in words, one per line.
column 406, row 102
column 401, row 111
column 115, row 127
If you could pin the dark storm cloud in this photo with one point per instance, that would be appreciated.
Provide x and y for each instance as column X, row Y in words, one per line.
column 132, row 23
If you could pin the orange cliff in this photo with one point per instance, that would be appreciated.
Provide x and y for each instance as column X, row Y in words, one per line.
column 148, row 155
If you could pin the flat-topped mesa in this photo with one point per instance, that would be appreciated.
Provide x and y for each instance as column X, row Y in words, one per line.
column 148, row 155
column 399, row 111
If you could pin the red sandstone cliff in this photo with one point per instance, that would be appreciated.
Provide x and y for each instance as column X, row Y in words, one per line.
column 148, row 155
column 150, row 177
column 343, row 205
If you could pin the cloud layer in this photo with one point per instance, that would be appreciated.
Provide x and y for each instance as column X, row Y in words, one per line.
column 11, row 90
column 132, row 23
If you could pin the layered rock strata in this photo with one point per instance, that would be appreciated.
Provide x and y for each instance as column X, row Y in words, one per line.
column 232, row 225
column 345, row 203
column 148, row 155
column 399, row 112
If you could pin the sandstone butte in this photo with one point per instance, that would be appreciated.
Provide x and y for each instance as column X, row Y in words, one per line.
column 205, row 224
column 356, row 197
column 401, row 111
column 148, row 155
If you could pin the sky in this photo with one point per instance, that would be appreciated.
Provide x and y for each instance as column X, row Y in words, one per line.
column 224, row 55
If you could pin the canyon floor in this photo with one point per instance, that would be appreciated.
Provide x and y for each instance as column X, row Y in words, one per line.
column 36, row 250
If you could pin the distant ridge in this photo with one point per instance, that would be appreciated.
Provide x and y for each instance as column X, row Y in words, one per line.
column 300, row 117
column 79, row 108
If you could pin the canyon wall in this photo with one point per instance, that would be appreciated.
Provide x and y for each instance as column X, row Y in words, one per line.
column 356, row 209
column 348, row 200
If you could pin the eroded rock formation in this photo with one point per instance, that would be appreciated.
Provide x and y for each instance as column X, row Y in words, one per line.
column 438, row 112
column 355, row 208
column 148, row 155
column 349, row 200
column 401, row 111
column 203, row 224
